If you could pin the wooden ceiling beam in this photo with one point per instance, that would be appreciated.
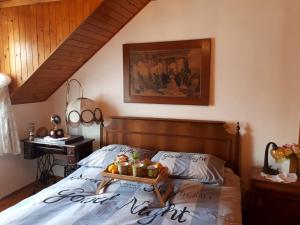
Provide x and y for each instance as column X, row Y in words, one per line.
column 13, row 3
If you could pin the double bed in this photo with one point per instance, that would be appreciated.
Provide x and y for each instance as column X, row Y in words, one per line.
column 73, row 200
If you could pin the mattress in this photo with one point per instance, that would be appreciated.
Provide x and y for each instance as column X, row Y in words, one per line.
column 72, row 201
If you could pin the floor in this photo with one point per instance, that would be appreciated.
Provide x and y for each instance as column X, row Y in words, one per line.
column 21, row 194
column 16, row 197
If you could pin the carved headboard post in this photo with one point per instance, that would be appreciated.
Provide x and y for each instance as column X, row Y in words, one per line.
column 299, row 135
column 237, row 147
column 101, row 129
column 101, row 135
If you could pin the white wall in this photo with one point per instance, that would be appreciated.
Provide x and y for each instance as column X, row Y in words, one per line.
column 255, row 70
column 15, row 171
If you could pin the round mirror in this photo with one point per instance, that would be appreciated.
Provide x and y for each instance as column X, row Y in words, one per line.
column 87, row 116
column 74, row 118
column 98, row 115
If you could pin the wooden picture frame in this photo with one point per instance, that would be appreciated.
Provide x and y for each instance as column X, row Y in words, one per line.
column 174, row 72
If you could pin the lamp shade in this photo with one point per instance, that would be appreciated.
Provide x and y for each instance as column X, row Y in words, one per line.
column 83, row 111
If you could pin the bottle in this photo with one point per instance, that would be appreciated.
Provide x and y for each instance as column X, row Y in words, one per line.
column 31, row 131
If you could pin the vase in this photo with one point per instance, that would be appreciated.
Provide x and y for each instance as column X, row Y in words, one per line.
column 290, row 165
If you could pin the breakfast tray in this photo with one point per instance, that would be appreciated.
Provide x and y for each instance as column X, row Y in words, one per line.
column 163, row 176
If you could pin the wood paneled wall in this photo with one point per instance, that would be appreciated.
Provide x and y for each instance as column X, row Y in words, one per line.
column 29, row 34
column 96, row 30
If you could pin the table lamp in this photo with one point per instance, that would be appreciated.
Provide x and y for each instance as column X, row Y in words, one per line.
column 267, row 169
column 82, row 110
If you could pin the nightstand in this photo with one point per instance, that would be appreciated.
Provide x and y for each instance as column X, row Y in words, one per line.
column 273, row 203
column 44, row 151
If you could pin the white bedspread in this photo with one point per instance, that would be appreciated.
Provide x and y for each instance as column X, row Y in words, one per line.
column 73, row 201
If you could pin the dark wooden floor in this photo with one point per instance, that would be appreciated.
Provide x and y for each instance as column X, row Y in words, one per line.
column 16, row 197
column 23, row 193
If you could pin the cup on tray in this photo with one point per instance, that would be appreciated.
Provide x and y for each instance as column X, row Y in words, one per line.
column 123, row 168
column 137, row 170
column 152, row 171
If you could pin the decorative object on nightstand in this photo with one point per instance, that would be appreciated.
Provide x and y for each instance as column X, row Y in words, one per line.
column 82, row 110
column 287, row 156
column 267, row 168
column 56, row 132
column 31, row 128
column 273, row 203
column 41, row 132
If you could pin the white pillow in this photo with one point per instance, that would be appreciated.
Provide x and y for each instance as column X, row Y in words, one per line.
column 204, row 168
column 106, row 155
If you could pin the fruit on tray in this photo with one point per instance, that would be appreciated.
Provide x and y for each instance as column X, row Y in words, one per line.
column 112, row 168
column 115, row 170
column 134, row 167
column 158, row 165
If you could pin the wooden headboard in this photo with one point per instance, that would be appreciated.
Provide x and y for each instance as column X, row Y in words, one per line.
column 176, row 135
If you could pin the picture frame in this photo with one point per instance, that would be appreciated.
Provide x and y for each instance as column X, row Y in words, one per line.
column 173, row 72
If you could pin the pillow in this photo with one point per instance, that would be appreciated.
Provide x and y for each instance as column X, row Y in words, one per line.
column 204, row 168
column 106, row 155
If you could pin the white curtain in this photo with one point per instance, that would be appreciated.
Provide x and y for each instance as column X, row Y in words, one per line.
column 9, row 139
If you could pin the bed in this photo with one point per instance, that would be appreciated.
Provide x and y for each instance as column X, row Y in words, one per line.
column 73, row 199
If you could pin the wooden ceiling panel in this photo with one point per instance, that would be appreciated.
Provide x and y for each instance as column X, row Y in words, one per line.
column 105, row 21
column 13, row 3
column 29, row 34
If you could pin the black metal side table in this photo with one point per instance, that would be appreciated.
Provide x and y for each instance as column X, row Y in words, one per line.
column 44, row 171
column 44, row 151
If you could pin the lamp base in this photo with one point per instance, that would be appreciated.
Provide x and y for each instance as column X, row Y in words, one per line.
column 270, row 171
column 267, row 169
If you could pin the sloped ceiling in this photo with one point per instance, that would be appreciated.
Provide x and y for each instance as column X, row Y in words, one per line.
column 13, row 3
column 30, row 33
column 90, row 36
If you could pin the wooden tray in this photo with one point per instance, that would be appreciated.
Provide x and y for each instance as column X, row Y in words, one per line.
column 147, row 180
column 162, row 176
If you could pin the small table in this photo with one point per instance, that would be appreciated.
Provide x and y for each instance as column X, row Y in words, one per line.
column 273, row 203
column 44, row 151
column 163, row 176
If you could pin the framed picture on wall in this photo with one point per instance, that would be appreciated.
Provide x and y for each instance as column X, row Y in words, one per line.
column 175, row 72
